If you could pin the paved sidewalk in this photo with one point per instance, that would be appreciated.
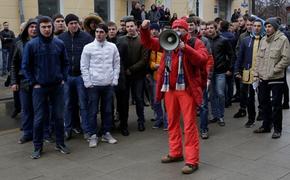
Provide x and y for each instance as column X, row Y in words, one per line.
column 232, row 153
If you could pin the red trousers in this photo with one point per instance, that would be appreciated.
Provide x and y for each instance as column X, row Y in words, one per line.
column 178, row 102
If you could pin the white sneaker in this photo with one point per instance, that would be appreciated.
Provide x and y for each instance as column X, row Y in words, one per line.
column 93, row 141
column 109, row 138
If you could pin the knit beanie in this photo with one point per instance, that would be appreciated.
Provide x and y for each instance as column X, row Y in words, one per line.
column 273, row 21
column 180, row 23
column 71, row 17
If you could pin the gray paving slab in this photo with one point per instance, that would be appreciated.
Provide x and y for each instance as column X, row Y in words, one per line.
column 231, row 153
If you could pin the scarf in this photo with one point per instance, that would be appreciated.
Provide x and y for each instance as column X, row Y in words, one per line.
column 180, row 83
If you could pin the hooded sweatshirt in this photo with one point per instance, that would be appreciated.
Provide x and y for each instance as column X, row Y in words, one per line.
column 45, row 59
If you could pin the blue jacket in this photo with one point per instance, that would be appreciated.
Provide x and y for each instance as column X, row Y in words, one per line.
column 245, row 56
column 45, row 61
column 74, row 47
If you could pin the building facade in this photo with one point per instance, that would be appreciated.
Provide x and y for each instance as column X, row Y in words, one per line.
column 16, row 11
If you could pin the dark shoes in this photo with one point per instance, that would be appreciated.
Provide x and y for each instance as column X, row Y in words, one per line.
column 189, row 168
column 250, row 124
column 169, row 159
column 141, row 127
column 259, row 117
column 49, row 139
column 214, row 120
column 240, row 113
column 204, row 134
column 62, row 148
column 67, row 135
column 276, row 135
column 262, row 130
column 14, row 114
column 36, row 153
column 221, row 122
column 285, row 106
column 125, row 132
column 24, row 139
column 77, row 130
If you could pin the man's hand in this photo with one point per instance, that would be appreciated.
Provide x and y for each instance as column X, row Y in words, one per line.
column 238, row 76
column 145, row 24
column 228, row 73
column 181, row 45
column 128, row 72
column 15, row 87
column 256, row 79
column 36, row 86
column 156, row 66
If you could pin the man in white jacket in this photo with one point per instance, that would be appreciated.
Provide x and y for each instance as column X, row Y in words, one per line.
column 100, row 67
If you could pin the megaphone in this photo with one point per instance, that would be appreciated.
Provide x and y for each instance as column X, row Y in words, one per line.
column 169, row 40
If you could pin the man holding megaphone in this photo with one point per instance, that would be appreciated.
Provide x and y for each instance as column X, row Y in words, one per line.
column 179, row 82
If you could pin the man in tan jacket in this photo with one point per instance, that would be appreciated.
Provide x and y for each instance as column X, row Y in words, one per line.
column 272, row 58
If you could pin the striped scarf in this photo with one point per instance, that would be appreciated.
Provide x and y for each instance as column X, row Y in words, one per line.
column 180, row 83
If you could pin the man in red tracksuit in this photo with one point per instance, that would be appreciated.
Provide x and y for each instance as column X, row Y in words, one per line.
column 179, row 82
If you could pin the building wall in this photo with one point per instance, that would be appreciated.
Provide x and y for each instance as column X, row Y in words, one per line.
column 9, row 12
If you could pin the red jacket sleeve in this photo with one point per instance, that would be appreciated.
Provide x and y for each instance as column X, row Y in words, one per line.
column 209, row 66
column 198, row 55
column 149, row 42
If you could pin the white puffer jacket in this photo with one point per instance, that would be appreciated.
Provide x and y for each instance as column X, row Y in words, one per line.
column 100, row 64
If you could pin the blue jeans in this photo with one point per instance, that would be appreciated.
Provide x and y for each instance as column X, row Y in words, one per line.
column 218, row 84
column 204, row 111
column 75, row 84
column 40, row 105
column 27, row 111
column 95, row 93
column 158, row 110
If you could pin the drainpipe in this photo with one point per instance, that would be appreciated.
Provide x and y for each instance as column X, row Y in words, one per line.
column 21, row 11
column 197, row 7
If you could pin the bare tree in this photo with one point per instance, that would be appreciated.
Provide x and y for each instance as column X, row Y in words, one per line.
column 271, row 8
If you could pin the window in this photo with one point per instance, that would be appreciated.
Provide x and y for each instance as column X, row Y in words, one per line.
column 48, row 7
column 102, row 7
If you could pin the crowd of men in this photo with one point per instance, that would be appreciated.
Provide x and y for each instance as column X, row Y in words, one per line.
column 67, row 72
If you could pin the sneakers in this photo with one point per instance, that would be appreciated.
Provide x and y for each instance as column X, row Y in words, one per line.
column 109, row 138
column 49, row 140
column 36, row 153
column 221, row 122
column 240, row 113
column 249, row 124
column 125, row 132
column 276, row 135
column 77, row 130
column 169, row 159
column 62, row 148
column 262, row 130
column 67, row 135
column 204, row 134
column 141, row 127
column 189, row 168
column 93, row 141
column 24, row 139
column 259, row 117
column 157, row 125
column 86, row 137
column 214, row 120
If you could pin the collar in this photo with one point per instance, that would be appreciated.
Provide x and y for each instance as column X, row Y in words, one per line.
column 100, row 44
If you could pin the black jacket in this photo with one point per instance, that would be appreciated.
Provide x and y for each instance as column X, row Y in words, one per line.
column 222, row 53
column 74, row 46
column 15, row 71
column 7, row 38
column 133, row 56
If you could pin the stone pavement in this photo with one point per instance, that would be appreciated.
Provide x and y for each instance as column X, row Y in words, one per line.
column 231, row 153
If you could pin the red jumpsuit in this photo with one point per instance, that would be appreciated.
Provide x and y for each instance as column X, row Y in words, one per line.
column 185, row 101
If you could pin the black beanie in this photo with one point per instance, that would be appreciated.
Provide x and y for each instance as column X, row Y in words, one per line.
column 71, row 17
column 273, row 21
